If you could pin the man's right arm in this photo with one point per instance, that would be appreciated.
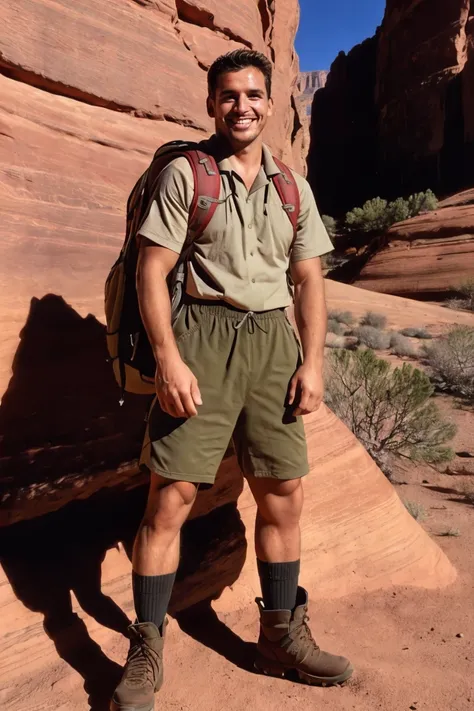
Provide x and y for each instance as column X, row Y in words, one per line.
column 176, row 386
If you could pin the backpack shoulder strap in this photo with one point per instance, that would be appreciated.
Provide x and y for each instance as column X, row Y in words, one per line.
column 288, row 192
column 207, row 189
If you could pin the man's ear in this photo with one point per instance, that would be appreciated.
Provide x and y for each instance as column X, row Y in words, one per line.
column 210, row 107
column 270, row 107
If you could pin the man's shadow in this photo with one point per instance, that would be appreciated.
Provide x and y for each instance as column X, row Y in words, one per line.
column 59, row 415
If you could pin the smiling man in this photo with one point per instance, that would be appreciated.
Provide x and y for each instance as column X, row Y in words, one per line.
column 230, row 365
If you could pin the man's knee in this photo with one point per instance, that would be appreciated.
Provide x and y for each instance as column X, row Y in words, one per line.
column 169, row 503
column 279, row 502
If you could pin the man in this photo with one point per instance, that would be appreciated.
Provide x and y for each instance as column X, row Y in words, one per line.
column 230, row 364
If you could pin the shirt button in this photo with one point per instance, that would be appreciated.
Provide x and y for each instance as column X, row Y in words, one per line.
column 252, row 253
column 251, row 225
column 253, row 281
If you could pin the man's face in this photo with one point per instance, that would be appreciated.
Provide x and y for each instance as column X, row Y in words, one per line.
column 240, row 106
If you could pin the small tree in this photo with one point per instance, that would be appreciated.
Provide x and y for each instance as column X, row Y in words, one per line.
column 398, row 211
column 451, row 359
column 330, row 225
column 389, row 411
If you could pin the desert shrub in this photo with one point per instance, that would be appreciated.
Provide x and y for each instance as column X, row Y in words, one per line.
column 468, row 492
column 422, row 202
column 397, row 211
column 456, row 304
column 335, row 327
column 451, row 358
column 370, row 217
column 416, row 510
column 389, row 411
column 333, row 341
column 372, row 337
column 341, row 316
column 378, row 214
column 455, row 532
column 373, row 319
column 416, row 333
column 402, row 346
column 466, row 289
column 330, row 225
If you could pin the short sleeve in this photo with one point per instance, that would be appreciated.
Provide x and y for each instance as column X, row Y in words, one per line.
column 312, row 239
column 166, row 222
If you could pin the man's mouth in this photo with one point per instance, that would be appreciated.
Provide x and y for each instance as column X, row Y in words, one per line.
column 241, row 123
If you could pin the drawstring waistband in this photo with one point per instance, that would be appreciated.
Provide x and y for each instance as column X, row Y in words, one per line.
column 252, row 322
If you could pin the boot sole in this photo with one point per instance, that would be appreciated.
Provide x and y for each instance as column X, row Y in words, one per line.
column 280, row 670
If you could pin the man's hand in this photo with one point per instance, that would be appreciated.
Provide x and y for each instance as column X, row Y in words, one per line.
column 306, row 390
column 177, row 388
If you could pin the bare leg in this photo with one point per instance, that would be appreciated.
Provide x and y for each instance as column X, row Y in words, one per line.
column 156, row 548
column 277, row 528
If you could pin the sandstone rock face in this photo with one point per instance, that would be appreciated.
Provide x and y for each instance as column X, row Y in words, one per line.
column 88, row 91
column 416, row 99
column 426, row 257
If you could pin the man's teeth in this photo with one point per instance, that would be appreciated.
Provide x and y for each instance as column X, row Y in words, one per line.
column 243, row 122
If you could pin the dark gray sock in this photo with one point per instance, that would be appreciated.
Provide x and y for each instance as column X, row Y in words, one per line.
column 279, row 583
column 151, row 595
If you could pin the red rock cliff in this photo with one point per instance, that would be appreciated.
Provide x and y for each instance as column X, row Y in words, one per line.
column 416, row 97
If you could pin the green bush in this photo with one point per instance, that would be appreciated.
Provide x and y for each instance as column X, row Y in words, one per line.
column 370, row 217
column 345, row 317
column 466, row 289
column 402, row 346
column 330, row 225
column 451, row 359
column 390, row 411
column 373, row 319
column 416, row 333
column 378, row 215
column 335, row 327
column 372, row 337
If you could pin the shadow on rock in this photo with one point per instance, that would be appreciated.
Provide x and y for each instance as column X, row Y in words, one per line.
column 202, row 624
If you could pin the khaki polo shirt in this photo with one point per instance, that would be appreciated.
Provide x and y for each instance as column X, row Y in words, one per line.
column 243, row 256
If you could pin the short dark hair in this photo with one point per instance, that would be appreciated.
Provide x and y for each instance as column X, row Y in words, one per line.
column 234, row 62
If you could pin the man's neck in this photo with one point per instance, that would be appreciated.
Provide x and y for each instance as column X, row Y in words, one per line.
column 246, row 162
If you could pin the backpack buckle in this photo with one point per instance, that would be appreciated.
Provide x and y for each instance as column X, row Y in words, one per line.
column 289, row 207
column 205, row 163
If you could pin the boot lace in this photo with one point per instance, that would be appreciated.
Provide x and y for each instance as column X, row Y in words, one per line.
column 302, row 634
column 141, row 665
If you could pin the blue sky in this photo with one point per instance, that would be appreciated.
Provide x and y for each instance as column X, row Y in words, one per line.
column 326, row 28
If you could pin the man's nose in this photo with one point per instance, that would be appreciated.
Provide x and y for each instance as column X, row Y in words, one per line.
column 242, row 103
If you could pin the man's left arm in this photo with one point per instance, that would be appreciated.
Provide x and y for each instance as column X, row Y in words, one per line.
column 307, row 388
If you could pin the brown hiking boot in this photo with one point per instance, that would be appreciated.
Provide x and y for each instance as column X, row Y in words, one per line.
column 286, row 643
column 143, row 673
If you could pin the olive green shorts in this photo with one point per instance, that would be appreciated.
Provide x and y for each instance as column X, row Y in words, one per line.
column 243, row 363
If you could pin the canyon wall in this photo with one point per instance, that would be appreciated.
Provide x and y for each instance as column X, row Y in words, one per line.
column 402, row 106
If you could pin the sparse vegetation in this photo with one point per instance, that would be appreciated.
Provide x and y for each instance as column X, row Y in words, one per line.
column 378, row 214
column 373, row 319
column 330, row 225
column 336, row 327
column 468, row 492
column 451, row 358
column 336, row 341
column 342, row 317
column 416, row 510
column 402, row 346
column 416, row 333
column 389, row 411
column 466, row 303
column 454, row 532
column 372, row 337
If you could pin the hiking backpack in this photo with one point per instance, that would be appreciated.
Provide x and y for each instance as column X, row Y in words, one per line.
column 127, row 342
